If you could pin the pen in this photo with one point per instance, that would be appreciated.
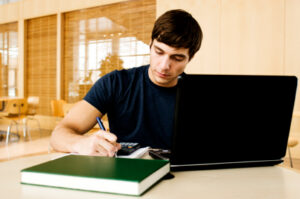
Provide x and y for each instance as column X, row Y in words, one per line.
column 102, row 127
column 100, row 123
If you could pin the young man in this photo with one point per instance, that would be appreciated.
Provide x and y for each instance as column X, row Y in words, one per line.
column 139, row 102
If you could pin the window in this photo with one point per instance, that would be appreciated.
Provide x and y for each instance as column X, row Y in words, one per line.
column 102, row 39
column 2, row 2
column 9, row 59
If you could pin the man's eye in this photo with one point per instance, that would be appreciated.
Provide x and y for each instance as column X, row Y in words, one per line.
column 159, row 52
column 178, row 58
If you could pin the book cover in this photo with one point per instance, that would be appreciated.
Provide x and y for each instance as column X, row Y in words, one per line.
column 93, row 173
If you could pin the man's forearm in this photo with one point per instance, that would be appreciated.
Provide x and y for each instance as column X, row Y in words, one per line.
column 63, row 139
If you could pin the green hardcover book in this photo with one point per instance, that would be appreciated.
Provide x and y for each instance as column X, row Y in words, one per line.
column 92, row 173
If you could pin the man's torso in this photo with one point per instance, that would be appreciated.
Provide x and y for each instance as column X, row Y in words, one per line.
column 138, row 110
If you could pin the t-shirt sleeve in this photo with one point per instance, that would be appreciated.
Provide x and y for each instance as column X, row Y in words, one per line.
column 101, row 95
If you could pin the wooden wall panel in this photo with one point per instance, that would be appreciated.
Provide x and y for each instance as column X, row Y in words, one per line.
column 292, row 59
column 252, row 37
column 10, row 12
column 41, row 61
column 292, row 40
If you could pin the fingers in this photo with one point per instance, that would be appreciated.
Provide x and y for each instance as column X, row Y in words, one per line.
column 110, row 148
column 107, row 143
column 101, row 151
column 101, row 143
column 108, row 136
column 119, row 146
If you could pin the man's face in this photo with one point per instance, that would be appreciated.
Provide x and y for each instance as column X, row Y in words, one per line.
column 166, row 63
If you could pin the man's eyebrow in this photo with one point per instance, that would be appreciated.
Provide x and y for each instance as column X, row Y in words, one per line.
column 158, row 48
column 174, row 55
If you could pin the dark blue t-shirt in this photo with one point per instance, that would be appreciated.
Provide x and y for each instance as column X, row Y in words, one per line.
column 137, row 109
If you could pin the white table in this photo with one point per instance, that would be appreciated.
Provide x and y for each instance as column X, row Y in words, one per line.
column 255, row 183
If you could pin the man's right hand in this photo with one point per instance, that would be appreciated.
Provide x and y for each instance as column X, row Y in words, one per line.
column 68, row 136
column 101, row 143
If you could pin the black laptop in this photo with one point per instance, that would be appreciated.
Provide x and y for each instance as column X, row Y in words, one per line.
column 231, row 120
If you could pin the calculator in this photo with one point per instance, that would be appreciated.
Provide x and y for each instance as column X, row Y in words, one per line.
column 128, row 147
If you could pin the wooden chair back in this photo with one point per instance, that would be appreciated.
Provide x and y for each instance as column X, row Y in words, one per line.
column 57, row 107
column 16, row 107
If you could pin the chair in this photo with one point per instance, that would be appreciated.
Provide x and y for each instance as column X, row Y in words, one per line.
column 291, row 143
column 57, row 107
column 33, row 103
column 2, row 116
column 15, row 111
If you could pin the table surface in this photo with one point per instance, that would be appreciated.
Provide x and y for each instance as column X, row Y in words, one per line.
column 257, row 182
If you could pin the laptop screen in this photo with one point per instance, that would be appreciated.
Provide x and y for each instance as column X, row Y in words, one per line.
column 232, row 118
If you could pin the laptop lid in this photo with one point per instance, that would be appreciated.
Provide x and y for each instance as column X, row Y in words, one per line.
column 232, row 119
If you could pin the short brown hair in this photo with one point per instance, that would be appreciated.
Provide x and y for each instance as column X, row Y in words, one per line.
column 178, row 29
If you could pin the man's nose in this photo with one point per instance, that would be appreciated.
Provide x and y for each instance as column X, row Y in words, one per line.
column 165, row 63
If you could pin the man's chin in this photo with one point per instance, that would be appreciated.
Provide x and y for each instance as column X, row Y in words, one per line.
column 163, row 82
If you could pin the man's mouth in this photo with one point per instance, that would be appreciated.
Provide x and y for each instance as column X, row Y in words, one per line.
column 162, row 75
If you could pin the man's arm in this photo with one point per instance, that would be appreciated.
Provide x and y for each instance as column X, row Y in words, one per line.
column 68, row 136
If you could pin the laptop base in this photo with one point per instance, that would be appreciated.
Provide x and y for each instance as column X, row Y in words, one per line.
column 224, row 165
